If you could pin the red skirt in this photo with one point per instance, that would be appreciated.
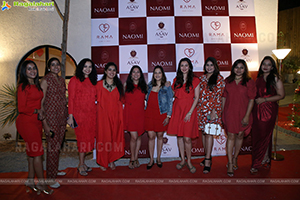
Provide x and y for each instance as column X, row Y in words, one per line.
column 153, row 119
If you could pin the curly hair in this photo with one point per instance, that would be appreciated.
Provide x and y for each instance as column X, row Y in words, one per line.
column 79, row 73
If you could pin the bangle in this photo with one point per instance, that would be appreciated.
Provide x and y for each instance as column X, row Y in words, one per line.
column 168, row 116
column 189, row 113
column 265, row 99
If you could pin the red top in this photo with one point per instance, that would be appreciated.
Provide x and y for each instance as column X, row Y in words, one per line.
column 236, row 104
column 134, row 113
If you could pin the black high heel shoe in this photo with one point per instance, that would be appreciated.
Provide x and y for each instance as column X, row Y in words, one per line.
column 150, row 166
column 206, row 169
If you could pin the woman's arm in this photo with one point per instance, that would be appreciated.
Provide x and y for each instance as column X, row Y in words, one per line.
column 196, row 99
column 44, row 87
column 71, row 94
column 279, row 90
column 245, row 120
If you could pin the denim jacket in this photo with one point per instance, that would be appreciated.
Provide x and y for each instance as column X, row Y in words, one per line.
column 165, row 99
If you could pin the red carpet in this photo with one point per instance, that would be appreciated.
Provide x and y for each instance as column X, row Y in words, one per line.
column 283, row 121
column 282, row 181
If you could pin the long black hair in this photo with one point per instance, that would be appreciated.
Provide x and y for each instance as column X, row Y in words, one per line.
column 116, row 79
column 23, row 77
column 273, row 73
column 179, row 76
column 246, row 76
column 49, row 64
column 163, row 78
column 212, row 81
column 142, row 83
column 79, row 73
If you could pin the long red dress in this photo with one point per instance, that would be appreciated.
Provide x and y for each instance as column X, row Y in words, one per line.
column 181, row 106
column 209, row 100
column 153, row 119
column 82, row 97
column 27, row 123
column 110, row 135
column 134, row 112
column 55, row 105
column 236, row 104
column 264, row 118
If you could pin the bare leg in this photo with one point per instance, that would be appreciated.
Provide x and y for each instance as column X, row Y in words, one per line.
column 133, row 145
column 151, row 144
column 203, row 141
column 238, row 145
column 229, row 146
column 180, row 144
column 209, row 142
column 138, row 146
column 38, row 168
column 188, row 148
column 159, row 145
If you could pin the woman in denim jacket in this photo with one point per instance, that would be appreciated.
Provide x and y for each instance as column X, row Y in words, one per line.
column 159, row 101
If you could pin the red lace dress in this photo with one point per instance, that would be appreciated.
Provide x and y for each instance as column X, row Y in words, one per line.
column 82, row 97
column 181, row 106
column 55, row 105
column 27, row 123
column 134, row 111
column 209, row 100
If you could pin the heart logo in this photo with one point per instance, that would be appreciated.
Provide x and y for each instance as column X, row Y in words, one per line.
column 104, row 27
column 186, row 1
column 189, row 52
column 221, row 139
column 215, row 25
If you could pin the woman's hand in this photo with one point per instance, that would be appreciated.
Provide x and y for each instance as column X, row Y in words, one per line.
column 213, row 115
column 41, row 114
column 187, row 117
column 70, row 120
column 168, row 84
column 245, row 121
column 260, row 100
column 166, row 121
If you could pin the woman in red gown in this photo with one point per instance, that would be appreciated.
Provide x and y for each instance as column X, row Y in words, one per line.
column 29, row 124
column 237, row 103
column 184, row 118
column 54, row 104
column 269, row 89
column 210, row 105
column 134, row 97
column 82, row 108
column 159, row 101
column 110, row 134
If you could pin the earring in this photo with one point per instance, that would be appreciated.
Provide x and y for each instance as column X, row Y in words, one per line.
column 48, row 69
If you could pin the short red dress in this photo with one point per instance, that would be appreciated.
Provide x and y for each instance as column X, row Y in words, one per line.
column 27, row 123
column 153, row 119
column 236, row 104
column 82, row 97
column 181, row 106
column 134, row 112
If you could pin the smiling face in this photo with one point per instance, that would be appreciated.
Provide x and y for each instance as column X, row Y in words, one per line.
column 87, row 69
column 157, row 74
column 266, row 66
column 239, row 70
column 184, row 67
column 31, row 72
column 135, row 75
column 210, row 68
column 55, row 67
column 111, row 72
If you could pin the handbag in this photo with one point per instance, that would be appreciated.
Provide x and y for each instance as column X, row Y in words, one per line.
column 213, row 129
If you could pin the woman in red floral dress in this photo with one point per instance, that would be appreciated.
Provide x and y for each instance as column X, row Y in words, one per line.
column 54, row 104
column 210, row 105
column 82, row 107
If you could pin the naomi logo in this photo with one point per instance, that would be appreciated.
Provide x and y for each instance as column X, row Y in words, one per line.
column 243, row 26
column 189, row 52
column 215, row 25
column 104, row 27
column 104, row 56
column 5, row 6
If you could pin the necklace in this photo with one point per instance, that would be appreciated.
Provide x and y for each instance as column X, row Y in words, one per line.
column 108, row 86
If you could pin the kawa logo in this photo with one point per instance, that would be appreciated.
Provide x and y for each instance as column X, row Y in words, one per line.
column 189, row 52
column 104, row 27
column 215, row 25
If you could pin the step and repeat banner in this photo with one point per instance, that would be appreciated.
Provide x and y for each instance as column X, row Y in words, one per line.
column 161, row 32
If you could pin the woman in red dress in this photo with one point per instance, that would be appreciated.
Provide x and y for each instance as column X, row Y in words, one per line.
column 54, row 104
column 159, row 101
column 237, row 103
column 269, row 90
column 29, row 124
column 184, row 118
column 210, row 105
column 134, row 97
column 82, row 108
column 110, row 134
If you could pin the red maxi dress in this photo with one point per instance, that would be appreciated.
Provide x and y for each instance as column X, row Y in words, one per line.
column 110, row 141
column 236, row 104
column 27, row 123
column 82, row 97
column 55, row 105
column 264, row 118
column 134, row 112
column 181, row 106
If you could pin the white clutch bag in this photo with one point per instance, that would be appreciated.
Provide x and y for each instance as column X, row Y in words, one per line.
column 213, row 129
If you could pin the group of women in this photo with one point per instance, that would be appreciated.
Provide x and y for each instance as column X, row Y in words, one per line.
column 95, row 111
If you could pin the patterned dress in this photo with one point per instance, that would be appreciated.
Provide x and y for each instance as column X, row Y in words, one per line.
column 209, row 100
column 55, row 105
